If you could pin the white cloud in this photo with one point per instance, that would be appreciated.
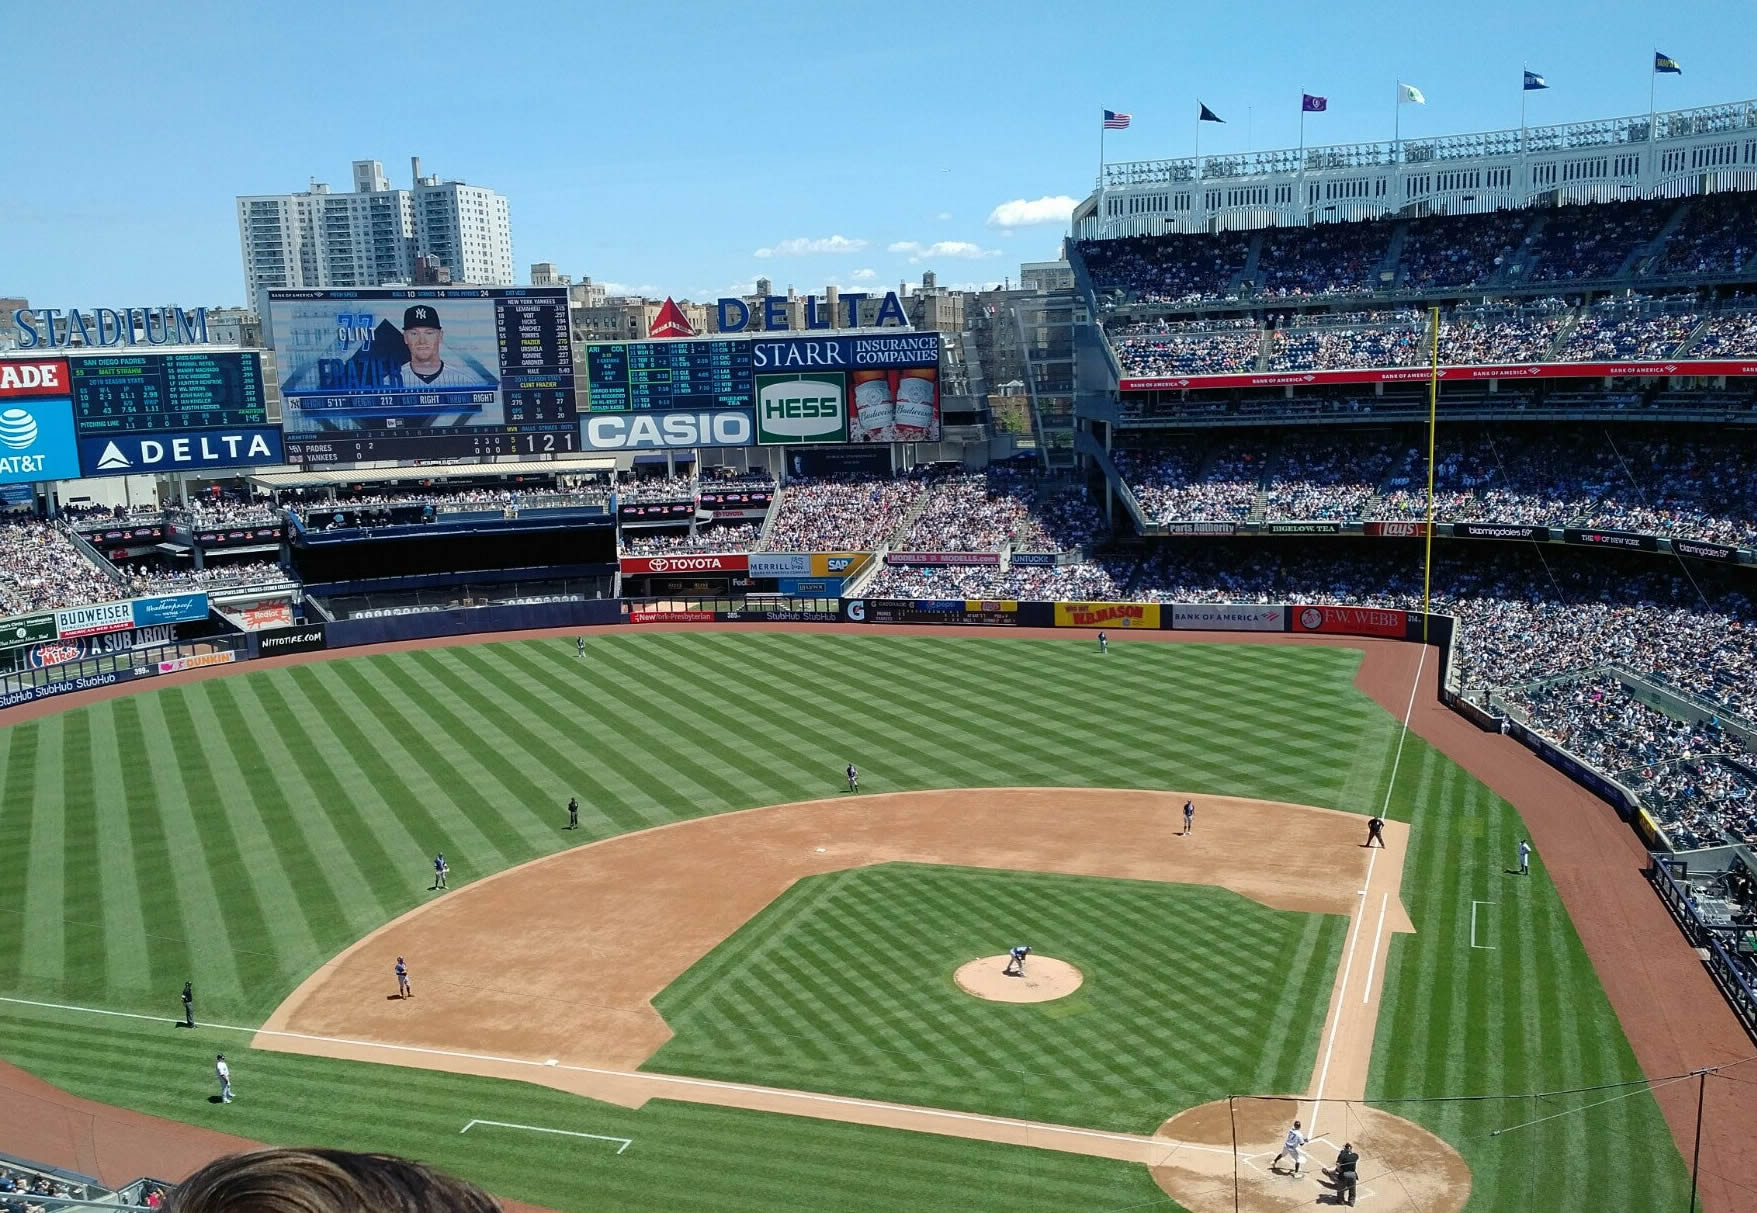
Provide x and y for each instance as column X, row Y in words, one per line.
column 865, row 275
column 804, row 246
column 1021, row 212
column 943, row 216
column 959, row 249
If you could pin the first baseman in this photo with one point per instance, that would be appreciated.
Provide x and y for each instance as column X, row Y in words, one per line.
column 404, row 990
column 1189, row 817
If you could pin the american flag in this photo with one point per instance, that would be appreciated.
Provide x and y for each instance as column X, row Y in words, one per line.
column 1114, row 121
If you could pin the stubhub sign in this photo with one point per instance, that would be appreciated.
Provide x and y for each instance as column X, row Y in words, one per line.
column 177, row 451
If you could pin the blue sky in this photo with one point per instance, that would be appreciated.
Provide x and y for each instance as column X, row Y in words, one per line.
column 686, row 147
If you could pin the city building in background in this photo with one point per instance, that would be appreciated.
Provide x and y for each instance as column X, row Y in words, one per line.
column 543, row 273
column 8, row 330
column 440, row 231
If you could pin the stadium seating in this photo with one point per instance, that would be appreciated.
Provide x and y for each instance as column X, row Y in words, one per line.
column 41, row 569
column 726, row 537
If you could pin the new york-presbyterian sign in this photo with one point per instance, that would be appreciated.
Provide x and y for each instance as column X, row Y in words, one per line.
column 53, row 329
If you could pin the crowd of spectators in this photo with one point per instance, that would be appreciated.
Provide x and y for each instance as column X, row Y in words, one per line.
column 1216, row 347
column 1167, row 269
column 23, row 1190
column 1460, row 250
column 1183, row 484
column 229, row 575
column 201, row 515
column 981, row 511
column 657, row 488
column 1633, row 329
column 42, row 570
column 1699, row 801
column 1717, row 235
column 1329, row 477
column 724, row 537
column 1587, row 243
column 1064, row 583
column 1325, row 259
column 841, row 515
column 1727, row 334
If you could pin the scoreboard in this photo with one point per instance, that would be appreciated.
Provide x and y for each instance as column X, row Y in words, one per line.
column 427, row 373
column 152, row 393
column 634, row 376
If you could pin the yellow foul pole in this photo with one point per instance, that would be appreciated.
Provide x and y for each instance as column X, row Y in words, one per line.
column 1427, row 564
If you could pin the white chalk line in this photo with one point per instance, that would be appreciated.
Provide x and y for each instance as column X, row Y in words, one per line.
column 1373, row 957
column 507, row 1124
column 1360, row 914
column 663, row 1080
column 1486, row 947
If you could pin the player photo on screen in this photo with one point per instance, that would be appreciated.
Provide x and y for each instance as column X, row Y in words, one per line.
column 353, row 363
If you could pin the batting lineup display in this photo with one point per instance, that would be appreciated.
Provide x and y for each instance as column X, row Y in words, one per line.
column 426, row 373
column 126, row 392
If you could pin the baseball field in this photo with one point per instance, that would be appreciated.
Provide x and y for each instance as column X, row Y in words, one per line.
column 732, row 987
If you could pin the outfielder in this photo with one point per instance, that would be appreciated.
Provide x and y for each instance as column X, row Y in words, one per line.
column 1016, row 962
column 573, row 813
column 439, row 870
column 1291, row 1148
column 853, row 778
column 1189, row 817
column 404, row 990
column 188, row 1004
column 1103, row 643
column 225, row 1073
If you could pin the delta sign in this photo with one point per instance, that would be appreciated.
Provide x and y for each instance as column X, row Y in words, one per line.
column 734, row 315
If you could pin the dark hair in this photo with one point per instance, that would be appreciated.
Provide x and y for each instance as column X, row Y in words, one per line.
column 325, row 1181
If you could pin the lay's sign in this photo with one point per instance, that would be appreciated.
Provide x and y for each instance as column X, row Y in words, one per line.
column 1107, row 615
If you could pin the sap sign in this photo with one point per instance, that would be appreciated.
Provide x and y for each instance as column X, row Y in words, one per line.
column 801, row 408
column 51, row 328
column 733, row 315
column 667, row 431
column 36, row 423
column 134, row 454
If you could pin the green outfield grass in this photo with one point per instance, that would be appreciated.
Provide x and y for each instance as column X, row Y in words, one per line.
column 242, row 830
column 844, row 985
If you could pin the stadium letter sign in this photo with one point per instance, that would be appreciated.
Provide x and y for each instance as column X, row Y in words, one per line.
column 793, row 409
column 733, row 314
column 53, row 329
column 667, row 431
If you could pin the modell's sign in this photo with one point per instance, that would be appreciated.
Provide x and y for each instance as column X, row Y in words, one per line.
column 674, row 565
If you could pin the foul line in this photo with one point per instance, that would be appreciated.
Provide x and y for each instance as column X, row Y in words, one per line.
column 1373, row 959
column 657, row 1079
column 1486, row 947
column 507, row 1124
column 1360, row 914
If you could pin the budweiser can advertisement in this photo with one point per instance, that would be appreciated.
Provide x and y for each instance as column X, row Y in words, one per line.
column 918, row 398
column 875, row 405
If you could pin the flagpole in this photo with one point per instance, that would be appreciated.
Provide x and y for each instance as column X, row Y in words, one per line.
column 1304, row 210
column 1198, row 140
column 1396, row 117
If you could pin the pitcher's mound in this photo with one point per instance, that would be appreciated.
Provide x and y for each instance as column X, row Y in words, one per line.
column 1401, row 1164
column 1045, row 979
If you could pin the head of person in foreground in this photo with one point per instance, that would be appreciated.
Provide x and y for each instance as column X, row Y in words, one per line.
column 325, row 1181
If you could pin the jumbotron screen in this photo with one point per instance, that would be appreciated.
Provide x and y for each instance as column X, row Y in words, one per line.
column 424, row 373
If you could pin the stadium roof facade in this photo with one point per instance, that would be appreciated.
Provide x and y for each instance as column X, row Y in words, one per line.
column 1662, row 155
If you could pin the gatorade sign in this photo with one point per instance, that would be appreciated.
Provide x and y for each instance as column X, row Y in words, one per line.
column 796, row 409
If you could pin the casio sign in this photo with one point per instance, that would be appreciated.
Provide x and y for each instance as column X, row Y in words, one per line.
column 629, row 432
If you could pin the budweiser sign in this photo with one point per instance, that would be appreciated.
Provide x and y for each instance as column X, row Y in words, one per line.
column 640, row 566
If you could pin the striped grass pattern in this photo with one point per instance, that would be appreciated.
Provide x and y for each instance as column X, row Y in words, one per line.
column 242, row 830
column 684, row 1156
column 844, row 985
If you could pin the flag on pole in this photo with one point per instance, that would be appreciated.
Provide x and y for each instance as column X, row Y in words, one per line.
column 1309, row 104
column 1409, row 93
column 1533, row 81
column 1208, row 115
column 1663, row 62
column 1114, row 121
